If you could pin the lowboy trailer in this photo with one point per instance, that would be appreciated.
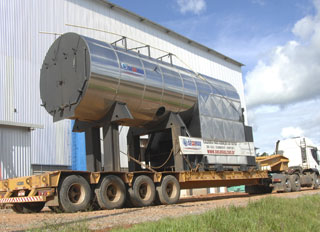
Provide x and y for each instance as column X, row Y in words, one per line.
column 71, row 191
column 192, row 125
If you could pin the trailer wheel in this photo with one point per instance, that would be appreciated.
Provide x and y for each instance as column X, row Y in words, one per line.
column 169, row 190
column 295, row 183
column 157, row 199
column 142, row 192
column 74, row 194
column 316, row 181
column 18, row 208
column 287, row 187
column 111, row 192
column 258, row 189
column 32, row 207
column 250, row 189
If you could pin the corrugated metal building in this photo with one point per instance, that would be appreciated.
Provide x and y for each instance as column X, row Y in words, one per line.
column 28, row 138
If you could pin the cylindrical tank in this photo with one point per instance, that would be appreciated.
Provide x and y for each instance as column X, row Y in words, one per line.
column 82, row 77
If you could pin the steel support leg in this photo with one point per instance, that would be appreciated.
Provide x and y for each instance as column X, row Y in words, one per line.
column 111, row 161
column 93, row 151
column 178, row 158
column 133, row 150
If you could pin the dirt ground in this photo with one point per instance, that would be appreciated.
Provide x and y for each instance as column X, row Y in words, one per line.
column 104, row 220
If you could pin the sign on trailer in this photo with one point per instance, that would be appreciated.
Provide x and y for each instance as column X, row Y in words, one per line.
column 194, row 146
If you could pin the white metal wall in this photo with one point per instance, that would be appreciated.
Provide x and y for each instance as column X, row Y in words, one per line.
column 15, row 146
column 23, row 47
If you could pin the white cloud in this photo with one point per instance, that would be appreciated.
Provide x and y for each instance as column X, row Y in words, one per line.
column 304, row 28
column 291, row 72
column 259, row 2
column 289, row 132
column 193, row 6
column 268, row 123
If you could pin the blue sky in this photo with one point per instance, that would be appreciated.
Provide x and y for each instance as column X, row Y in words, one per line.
column 241, row 29
column 277, row 40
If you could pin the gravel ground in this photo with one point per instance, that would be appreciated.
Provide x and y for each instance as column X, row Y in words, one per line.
column 104, row 220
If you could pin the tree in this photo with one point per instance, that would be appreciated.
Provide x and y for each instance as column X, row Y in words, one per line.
column 264, row 154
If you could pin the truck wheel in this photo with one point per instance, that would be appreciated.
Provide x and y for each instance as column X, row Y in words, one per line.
column 315, row 181
column 287, row 185
column 157, row 199
column 142, row 192
column 111, row 192
column 250, row 189
column 169, row 190
column 74, row 194
column 32, row 207
column 267, row 189
column 18, row 208
column 295, row 183
column 128, row 202
column 258, row 189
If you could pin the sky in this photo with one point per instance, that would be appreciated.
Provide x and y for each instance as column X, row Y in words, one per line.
column 279, row 43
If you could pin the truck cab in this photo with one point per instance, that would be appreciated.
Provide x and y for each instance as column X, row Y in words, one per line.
column 303, row 165
column 301, row 152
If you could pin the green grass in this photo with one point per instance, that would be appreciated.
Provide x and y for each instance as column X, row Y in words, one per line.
column 268, row 214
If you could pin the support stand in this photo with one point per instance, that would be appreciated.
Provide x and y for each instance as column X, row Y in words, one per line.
column 111, row 148
column 178, row 128
column 111, row 158
column 93, row 151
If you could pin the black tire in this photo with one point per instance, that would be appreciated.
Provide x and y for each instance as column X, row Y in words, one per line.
column 128, row 202
column 315, row 181
column 169, row 190
column 287, row 187
column 295, row 183
column 74, row 194
column 157, row 199
column 258, row 189
column 111, row 192
column 32, row 207
column 267, row 189
column 18, row 208
column 143, row 191
column 251, row 189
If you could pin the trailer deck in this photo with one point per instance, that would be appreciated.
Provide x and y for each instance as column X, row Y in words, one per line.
column 44, row 187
